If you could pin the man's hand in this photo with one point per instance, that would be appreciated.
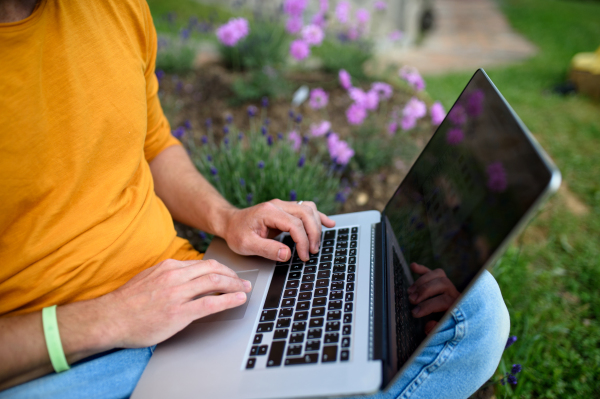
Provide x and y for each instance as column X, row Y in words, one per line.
column 250, row 231
column 432, row 292
column 159, row 302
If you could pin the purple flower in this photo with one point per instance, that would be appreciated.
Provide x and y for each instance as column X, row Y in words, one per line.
column 299, row 49
column 229, row 119
column 383, row 90
column 280, row 136
column 415, row 108
column 362, row 16
column 225, row 130
column 345, row 79
column 313, row 35
column 178, row 133
column 242, row 182
column 204, row 140
column 342, row 11
column 380, row 5
column 294, row 8
column 318, row 98
column 437, row 113
column 339, row 197
column 213, row 171
column 298, row 118
column 188, row 124
column 408, row 122
column 233, row 31
column 412, row 76
column 475, row 103
column 160, row 74
column 395, row 35
column 371, row 100
column 301, row 161
column 263, row 130
column 512, row 379
column 208, row 122
column 240, row 136
column 356, row 114
column 320, row 129
column 358, row 96
column 267, row 122
column 296, row 140
column 226, row 141
column 319, row 20
column 185, row 34
column 339, row 150
column 209, row 158
column 265, row 102
column 454, row 136
column 497, row 180
column 261, row 164
column 293, row 195
column 392, row 128
column 252, row 110
column 323, row 6
column 458, row 116
column 353, row 33
column 291, row 114
column 249, row 198
column 269, row 140
column 293, row 25
column 516, row 368
column 202, row 235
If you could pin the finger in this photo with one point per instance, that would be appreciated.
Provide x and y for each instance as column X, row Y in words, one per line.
column 437, row 286
column 283, row 221
column 203, row 267
column 269, row 248
column 213, row 303
column 419, row 269
column 440, row 303
column 214, row 283
column 326, row 221
column 437, row 273
column 429, row 326
column 306, row 212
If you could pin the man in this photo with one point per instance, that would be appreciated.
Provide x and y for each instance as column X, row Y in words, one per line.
column 90, row 181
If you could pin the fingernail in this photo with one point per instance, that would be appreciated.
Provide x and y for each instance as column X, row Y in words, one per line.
column 416, row 310
column 247, row 285
column 241, row 296
column 281, row 254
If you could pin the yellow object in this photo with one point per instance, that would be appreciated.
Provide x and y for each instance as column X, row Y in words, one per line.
column 80, row 120
column 587, row 62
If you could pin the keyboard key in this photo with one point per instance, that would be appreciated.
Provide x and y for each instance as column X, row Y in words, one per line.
column 321, row 292
column 341, row 252
column 338, row 276
column 314, row 256
column 349, row 296
column 288, row 240
column 300, row 316
column 353, row 244
column 305, row 296
column 329, row 234
column 332, row 326
column 346, row 342
column 307, row 287
column 350, row 277
column 323, row 274
column 350, row 287
column 327, row 250
column 325, row 266
column 283, row 323
column 319, row 301
column 348, row 307
column 341, row 244
column 354, row 237
column 294, row 275
column 268, row 315
column 312, row 262
column 315, row 323
column 282, row 263
column 262, row 350
column 276, row 354
column 308, row 278
column 337, row 286
column 297, row 267
column 290, row 284
column 312, row 346
column 251, row 362
column 296, row 258
column 315, row 333
column 294, row 350
column 352, row 252
column 303, row 305
column 280, row 334
column 347, row 330
column 310, row 269
column 347, row 317
column 299, row 326
column 288, row 302
column 345, row 356
column 342, row 237
column 334, row 315
column 355, row 229
column 329, row 354
column 308, row 358
column 344, row 231
column 276, row 288
column 332, row 338
column 290, row 293
column 323, row 283
column 326, row 258
column 334, row 295
column 257, row 339
column 254, row 350
column 339, row 268
column 351, row 268
column 340, row 260
column 286, row 312
column 317, row 312
column 335, row 305
column 265, row 327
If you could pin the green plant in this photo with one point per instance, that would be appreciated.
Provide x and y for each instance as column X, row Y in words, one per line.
column 175, row 55
column 351, row 56
column 258, row 84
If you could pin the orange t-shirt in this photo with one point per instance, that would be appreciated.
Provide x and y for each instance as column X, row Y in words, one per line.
column 80, row 119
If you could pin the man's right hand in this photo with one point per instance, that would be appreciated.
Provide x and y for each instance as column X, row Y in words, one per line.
column 159, row 301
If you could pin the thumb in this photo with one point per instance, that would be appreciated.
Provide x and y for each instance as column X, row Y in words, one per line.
column 271, row 249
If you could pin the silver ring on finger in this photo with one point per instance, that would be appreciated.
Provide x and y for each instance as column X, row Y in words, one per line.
column 300, row 202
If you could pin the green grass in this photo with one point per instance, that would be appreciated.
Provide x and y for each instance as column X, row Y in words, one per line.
column 550, row 280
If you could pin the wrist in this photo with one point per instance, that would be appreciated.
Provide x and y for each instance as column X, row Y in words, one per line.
column 221, row 221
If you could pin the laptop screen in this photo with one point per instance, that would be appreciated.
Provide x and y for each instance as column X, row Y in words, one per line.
column 476, row 178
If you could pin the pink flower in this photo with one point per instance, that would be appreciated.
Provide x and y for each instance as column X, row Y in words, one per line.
column 383, row 90
column 339, row 150
column 320, row 129
column 353, row 33
column 415, row 108
column 371, row 100
column 412, row 76
column 392, row 128
column 408, row 122
column 475, row 103
column 358, row 96
column 342, row 12
column 293, row 25
column 497, row 181
column 299, row 49
column 345, row 79
column 356, row 114
column 318, row 98
column 458, row 115
column 362, row 16
column 233, row 31
column 437, row 113
column 319, row 20
column 323, row 6
column 313, row 35
column 395, row 35
column 380, row 5
column 454, row 136
column 294, row 8
column 296, row 140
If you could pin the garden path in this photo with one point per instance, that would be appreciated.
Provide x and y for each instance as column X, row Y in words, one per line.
column 467, row 34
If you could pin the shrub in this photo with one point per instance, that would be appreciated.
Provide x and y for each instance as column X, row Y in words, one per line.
column 175, row 55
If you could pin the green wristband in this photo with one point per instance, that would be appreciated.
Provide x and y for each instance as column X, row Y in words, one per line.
column 53, row 343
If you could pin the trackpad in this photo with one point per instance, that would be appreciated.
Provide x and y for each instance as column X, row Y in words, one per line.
column 240, row 311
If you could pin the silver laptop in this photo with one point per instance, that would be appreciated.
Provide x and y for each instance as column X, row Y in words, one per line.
column 341, row 323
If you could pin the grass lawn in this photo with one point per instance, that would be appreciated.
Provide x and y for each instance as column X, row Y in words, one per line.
column 550, row 277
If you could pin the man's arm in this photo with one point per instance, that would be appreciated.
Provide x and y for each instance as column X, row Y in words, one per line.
column 194, row 201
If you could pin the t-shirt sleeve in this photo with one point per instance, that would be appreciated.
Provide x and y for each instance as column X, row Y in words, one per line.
column 158, row 134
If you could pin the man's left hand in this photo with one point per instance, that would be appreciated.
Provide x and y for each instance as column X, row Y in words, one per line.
column 251, row 231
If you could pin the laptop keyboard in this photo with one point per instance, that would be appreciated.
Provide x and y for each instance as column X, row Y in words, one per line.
column 308, row 315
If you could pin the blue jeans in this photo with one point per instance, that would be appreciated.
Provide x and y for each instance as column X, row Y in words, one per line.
column 462, row 356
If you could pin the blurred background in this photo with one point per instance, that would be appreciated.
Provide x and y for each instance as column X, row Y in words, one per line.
column 232, row 93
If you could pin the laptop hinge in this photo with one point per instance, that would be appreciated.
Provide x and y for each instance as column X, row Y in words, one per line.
column 379, row 324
